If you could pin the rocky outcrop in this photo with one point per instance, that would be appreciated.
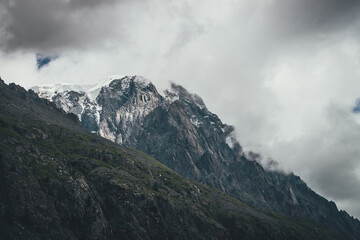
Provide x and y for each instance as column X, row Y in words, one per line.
column 124, row 105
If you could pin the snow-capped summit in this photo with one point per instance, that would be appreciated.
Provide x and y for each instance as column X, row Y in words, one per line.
column 115, row 106
column 110, row 108
column 49, row 91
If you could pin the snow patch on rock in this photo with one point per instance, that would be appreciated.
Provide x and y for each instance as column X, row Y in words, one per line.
column 293, row 197
column 195, row 121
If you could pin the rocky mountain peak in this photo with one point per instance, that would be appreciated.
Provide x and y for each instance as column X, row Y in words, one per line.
column 178, row 92
column 134, row 81
column 136, row 89
column 124, row 105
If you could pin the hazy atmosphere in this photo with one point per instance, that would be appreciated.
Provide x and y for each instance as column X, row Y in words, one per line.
column 285, row 73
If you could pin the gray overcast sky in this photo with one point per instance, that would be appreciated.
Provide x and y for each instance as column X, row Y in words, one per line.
column 285, row 73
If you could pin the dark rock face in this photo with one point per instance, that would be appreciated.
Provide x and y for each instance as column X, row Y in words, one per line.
column 179, row 131
column 201, row 152
column 58, row 181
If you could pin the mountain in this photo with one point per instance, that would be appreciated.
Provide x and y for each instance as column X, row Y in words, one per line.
column 58, row 181
column 177, row 129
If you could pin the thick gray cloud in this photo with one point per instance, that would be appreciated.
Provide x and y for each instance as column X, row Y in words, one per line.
column 284, row 72
column 45, row 25
column 315, row 16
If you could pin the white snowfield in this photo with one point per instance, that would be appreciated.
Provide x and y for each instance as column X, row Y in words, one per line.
column 92, row 91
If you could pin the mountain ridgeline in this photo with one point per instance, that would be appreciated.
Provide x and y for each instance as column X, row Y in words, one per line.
column 178, row 130
column 58, row 181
